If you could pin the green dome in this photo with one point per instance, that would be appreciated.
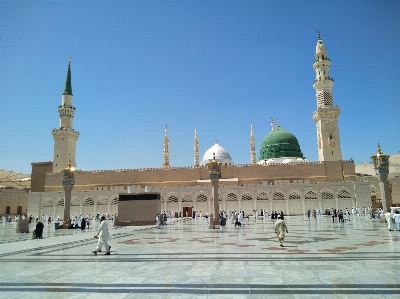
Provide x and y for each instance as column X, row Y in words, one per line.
column 280, row 143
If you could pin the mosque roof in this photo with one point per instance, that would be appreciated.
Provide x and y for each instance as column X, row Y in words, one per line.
column 220, row 153
column 280, row 143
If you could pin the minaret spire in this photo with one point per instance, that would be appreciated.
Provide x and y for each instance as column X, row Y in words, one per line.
column 166, row 152
column 65, row 136
column 326, row 116
column 272, row 124
column 196, row 149
column 68, row 84
column 252, row 145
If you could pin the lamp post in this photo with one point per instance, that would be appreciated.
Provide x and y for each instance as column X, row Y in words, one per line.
column 68, row 181
column 381, row 165
column 214, row 169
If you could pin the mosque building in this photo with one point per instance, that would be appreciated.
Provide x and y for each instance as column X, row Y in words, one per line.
column 280, row 180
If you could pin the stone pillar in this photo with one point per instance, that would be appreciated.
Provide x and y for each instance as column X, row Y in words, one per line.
column 383, row 185
column 81, row 210
column 67, row 203
column 180, row 207
column 108, row 209
column 287, row 207
column 215, row 210
column 94, row 209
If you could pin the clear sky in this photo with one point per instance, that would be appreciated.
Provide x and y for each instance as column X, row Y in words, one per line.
column 213, row 65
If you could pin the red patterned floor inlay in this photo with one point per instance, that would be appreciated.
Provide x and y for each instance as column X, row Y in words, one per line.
column 297, row 250
column 372, row 243
column 337, row 249
column 238, row 245
column 275, row 248
column 130, row 241
column 201, row 240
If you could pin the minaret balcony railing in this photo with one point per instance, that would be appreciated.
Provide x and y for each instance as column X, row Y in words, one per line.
column 69, row 107
column 325, row 79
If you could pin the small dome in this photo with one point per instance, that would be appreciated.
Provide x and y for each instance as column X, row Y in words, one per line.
column 280, row 143
column 221, row 155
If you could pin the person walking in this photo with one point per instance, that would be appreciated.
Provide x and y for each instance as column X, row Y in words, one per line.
column 280, row 229
column 103, row 236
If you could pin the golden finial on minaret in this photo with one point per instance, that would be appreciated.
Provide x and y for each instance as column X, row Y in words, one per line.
column 69, row 61
column 379, row 149
column 214, row 159
column 319, row 35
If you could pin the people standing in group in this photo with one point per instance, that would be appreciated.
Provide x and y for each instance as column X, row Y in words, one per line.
column 103, row 236
column 280, row 229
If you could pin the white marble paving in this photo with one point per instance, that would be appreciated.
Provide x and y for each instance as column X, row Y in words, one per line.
column 185, row 259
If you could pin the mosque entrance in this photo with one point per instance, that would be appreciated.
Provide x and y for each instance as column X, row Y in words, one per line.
column 187, row 212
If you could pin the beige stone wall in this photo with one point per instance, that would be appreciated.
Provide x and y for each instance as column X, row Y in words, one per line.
column 38, row 175
column 13, row 199
column 181, row 177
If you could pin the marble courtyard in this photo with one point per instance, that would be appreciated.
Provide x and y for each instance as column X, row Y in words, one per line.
column 185, row 259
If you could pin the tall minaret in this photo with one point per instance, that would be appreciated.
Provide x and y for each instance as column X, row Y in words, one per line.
column 196, row 149
column 65, row 137
column 252, row 145
column 326, row 115
column 166, row 152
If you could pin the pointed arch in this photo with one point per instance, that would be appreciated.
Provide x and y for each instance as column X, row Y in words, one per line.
column 186, row 197
column 172, row 197
column 263, row 195
column 344, row 193
column 278, row 194
column 294, row 194
column 327, row 193
column 201, row 196
column 231, row 195
column 311, row 194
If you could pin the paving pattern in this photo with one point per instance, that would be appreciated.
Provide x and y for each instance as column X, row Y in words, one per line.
column 185, row 259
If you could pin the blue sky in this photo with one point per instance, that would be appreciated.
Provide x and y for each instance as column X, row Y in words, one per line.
column 213, row 65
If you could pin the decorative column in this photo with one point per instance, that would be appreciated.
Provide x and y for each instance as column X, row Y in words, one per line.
column 214, row 169
column 166, row 152
column 68, row 181
column 381, row 164
column 252, row 145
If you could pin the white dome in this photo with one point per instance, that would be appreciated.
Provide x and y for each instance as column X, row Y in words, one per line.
column 221, row 155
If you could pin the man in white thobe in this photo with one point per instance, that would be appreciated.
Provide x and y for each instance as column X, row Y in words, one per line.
column 389, row 220
column 103, row 236
column 280, row 229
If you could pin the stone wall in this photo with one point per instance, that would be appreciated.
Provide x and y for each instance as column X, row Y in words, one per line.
column 181, row 177
column 38, row 175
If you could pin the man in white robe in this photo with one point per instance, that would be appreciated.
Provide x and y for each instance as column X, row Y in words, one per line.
column 280, row 229
column 103, row 236
column 397, row 220
column 389, row 220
